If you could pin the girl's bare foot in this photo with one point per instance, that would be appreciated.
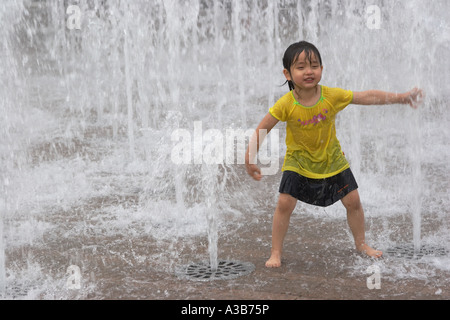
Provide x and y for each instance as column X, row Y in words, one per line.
column 364, row 248
column 274, row 260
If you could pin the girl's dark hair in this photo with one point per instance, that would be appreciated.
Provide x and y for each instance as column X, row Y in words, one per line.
column 294, row 51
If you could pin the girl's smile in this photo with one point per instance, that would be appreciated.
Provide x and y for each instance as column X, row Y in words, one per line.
column 309, row 80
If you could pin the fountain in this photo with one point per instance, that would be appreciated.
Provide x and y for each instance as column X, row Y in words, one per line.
column 92, row 97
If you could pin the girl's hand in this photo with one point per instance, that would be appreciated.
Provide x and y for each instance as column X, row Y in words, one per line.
column 415, row 97
column 254, row 171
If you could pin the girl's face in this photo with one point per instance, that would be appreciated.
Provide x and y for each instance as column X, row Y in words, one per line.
column 305, row 74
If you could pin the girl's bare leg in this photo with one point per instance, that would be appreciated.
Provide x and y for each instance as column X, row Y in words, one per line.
column 285, row 207
column 355, row 218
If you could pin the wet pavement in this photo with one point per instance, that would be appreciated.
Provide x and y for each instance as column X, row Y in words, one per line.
column 315, row 267
column 312, row 269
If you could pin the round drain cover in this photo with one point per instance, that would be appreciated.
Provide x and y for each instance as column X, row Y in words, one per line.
column 226, row 270
column 407, row 251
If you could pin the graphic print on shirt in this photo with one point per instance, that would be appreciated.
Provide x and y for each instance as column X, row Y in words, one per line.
column 316, row 119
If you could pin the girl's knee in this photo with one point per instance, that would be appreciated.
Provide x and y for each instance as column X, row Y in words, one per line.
column 352, row 201
column 286, row 203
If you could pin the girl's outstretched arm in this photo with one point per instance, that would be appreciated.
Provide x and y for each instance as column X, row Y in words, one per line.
column 266, row 124
column 375, row 97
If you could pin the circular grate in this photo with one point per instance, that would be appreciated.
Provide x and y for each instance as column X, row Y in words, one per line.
column 407, row 251
column 226, row 270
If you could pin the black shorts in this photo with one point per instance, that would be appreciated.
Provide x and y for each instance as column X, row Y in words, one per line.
column 318, row 192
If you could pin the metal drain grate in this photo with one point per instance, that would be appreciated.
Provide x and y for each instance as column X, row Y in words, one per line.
column 226, row 270
column 406, row 251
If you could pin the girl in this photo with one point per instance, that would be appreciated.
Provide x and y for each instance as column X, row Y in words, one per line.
column 315, row 170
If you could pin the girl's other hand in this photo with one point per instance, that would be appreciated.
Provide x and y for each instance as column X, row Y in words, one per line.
column 254, row 171
column 415, row 97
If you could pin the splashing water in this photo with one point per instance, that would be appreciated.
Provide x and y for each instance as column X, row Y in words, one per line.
column 92, row 98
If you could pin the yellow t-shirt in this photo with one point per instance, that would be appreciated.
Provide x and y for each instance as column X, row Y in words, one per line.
column 313, row 149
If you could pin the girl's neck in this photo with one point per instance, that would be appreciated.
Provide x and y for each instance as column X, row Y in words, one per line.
column 307, row 96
